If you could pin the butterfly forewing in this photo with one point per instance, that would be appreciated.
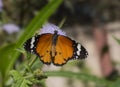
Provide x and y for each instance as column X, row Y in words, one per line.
column 64, row 50
column 43, row 48
column 79, row 51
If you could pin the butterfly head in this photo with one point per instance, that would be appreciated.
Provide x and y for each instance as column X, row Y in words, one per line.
column 55, row 32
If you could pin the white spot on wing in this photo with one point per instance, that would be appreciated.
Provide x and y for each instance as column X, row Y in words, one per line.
column 32, row 42
column 76, row 57
column 79, row 49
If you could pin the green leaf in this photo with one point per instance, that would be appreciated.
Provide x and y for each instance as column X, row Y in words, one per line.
column 5, row 58
column 80, row 76
column 35, row 24
column 19, row 80
column 39, row 20
column 12, row 54
column 0, row 79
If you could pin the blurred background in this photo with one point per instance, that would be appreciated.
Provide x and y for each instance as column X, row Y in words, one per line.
column 93, row 23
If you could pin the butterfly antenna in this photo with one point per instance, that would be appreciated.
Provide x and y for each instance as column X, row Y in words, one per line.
column 62, row 22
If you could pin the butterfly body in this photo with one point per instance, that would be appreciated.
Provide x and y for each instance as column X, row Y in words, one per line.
column 55, row 48
column 54, row 42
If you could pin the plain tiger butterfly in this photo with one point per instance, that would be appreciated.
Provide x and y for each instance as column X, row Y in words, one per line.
column 53, row 46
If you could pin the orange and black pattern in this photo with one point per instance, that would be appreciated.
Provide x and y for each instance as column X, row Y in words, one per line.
column 54, row 48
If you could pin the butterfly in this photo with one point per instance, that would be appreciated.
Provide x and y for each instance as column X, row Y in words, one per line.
column 53, row 46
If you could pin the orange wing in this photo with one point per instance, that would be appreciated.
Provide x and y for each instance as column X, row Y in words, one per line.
column 64, row 50
column 43, row 48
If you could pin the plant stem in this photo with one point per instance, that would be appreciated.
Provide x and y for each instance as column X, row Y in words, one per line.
column 32, row 62
column 28, row 67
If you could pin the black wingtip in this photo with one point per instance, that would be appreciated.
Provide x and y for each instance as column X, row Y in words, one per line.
column 79, row 51
column 27, row 45
column 83, row 53
column 31, row 47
